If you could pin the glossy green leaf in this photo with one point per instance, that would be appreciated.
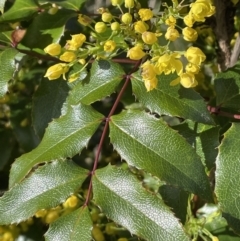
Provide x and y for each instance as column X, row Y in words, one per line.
column 172, row 100
column 104, row 78
column 130, row 205
column 149, row 144
column 72, row 227
column 46, row 29
column 47, row 103
column 64, row 137
column 227, row 172
column 70, row 4
column 21, row 9
column 227, row 87
column 48, row 186
column 203, row 138
column 177, row 199
column 7, row 68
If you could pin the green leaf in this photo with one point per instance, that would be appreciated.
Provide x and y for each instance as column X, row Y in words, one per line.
column 48, row 186
column 21, row 9
column 227, row 172
column 234, row 223
column 7, row 68
column 149, row 144
column 172, row 100
column 64, row 137
column 130, row 205
column 46, row 29
column 105, row 76
column 69, row 4
column 177, row 199
column 6, row 143
column 203, row 138
column 47, row 103
column 227, row 87
column 72, row 227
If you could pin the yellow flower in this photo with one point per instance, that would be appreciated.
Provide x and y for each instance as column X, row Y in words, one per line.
column 149, row 37
column 189, row 20
column 195, row 55
column 145, row 14
column 84, row 20
column 126, row 18
column 116, row 2
column 100, row 27
column 53, row 49
column 148, row 70
column 172, row 34
column 129, row 3
column 109, row 46
column 151, row 84
column 169, row 63
column 192, row 68
column 76, row 41
column 189, row 34
column 107, row 17
column 135, row 53
column 201, row 9
column 188, row 80
column 140, row 27
column 171, row 21
column 68, row 56
column 115, row 26
column 55, row 71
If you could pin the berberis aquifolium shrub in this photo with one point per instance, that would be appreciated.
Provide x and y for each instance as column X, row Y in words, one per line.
column 120, row 122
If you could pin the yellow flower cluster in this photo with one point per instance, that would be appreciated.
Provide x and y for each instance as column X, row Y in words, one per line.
column 139, row 32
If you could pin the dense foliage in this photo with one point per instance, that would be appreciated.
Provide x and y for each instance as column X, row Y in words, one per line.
column 120, row 121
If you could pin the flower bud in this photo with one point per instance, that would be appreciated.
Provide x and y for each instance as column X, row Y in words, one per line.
column 135, row 53
column 116, row 2
column 189, row 20
column 76, row 41
column 55, row 71
column 129, row 3
column 149, row 37
column 68, row 56
column 53, row 10
column 53, row 49
column 188, row 80
column 126, row 18
column 115, row 26
column 145, row 14
column 100, row 27
column 140, row 27
column 172, row 34
column 189, row 34
column 107, row 17
column 109, row 46
column 171, row 21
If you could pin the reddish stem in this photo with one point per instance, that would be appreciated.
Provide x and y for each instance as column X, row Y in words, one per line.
column 218, row 111
column 107, row 120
